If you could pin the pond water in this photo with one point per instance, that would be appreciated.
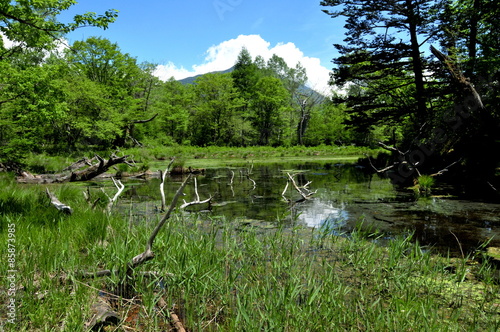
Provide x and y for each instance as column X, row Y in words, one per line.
column 345, row 195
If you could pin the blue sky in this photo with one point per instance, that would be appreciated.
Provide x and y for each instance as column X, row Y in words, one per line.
column 186, row 38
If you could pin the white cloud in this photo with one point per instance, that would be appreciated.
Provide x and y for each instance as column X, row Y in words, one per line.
column 7, row 43
column 223, row 56
column 59, row 45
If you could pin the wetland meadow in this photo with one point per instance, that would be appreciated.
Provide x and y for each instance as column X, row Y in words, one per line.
column 358, row 255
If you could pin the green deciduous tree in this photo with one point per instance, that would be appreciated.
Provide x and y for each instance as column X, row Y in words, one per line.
column 326, row 125
column 126, row 86
column 214, row 109
column 34, row 24
column 32, row 96
column 269, row 104
column 174, row 102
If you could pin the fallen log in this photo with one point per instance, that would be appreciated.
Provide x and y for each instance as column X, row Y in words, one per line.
column 97, row 169
column 179, row 170
column 76, row 174
column 80, row 163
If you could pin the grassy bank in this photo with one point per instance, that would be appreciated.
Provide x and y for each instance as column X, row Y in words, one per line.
column 212, row 156
column 228, row 275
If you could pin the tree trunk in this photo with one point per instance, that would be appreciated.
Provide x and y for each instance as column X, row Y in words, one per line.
column 86, row 174
column 417, row 65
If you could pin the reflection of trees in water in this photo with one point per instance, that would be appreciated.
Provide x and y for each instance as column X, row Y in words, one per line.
column 346, row 194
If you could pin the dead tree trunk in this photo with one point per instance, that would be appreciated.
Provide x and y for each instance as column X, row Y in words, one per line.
column 76, row 173
column 97, row 169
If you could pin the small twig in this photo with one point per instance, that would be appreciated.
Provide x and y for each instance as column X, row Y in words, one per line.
column 441, row 172
column 492, row 186
column 459, row 244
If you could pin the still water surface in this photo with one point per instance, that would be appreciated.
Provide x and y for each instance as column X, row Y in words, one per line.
column 345, row 196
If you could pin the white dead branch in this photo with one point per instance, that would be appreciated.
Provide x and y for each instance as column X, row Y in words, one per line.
column 303, row 190
column 253, row 182
column 57, row 203
column 197, row 200
column 230, row 184
column 284, row 191
column 163, row 176
column 120, row 186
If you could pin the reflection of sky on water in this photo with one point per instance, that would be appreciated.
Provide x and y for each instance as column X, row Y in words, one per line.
column 318, row 213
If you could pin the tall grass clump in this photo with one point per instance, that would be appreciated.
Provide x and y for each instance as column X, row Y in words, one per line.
column 50, row 248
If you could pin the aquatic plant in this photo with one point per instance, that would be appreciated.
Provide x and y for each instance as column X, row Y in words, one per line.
column 423, row 185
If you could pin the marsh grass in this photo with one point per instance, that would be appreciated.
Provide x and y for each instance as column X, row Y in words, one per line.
column 229, row 276
column 156, row 156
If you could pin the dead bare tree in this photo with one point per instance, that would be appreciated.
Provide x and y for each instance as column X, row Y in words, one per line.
column 148, row 253
column 103, row 313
